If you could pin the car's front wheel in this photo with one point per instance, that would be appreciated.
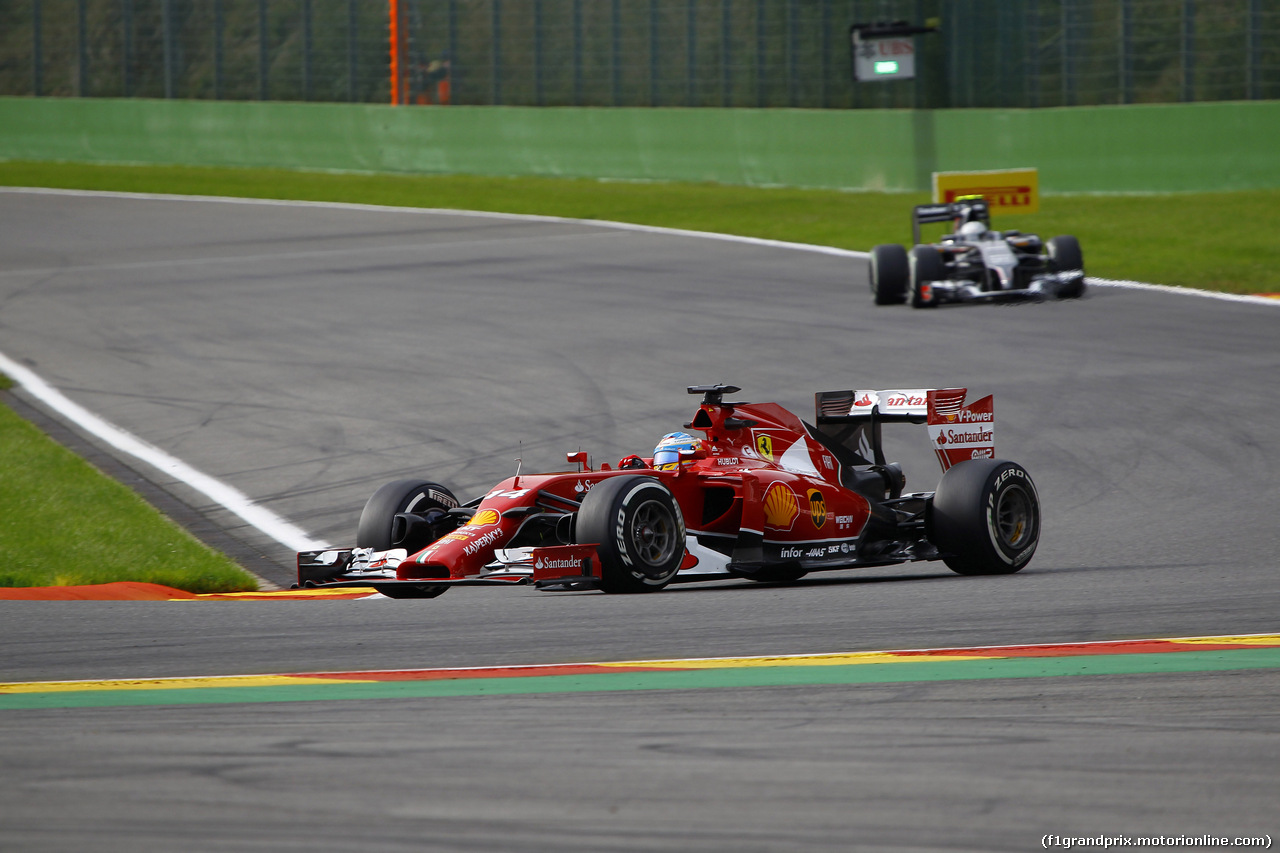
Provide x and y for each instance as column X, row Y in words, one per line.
column 1064, row 255
column 638, row 530
column 985, row 517
column 889, row 273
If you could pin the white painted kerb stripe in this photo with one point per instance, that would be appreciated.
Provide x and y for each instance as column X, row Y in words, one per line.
column 265, row 520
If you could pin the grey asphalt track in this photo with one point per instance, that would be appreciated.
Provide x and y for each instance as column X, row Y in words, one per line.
column 305, row 355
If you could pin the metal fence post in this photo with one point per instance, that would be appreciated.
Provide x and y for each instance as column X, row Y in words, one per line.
column 691, row 53
column 1253, row 50
column 653, row 53
column 37, row 54
column 495, row 35
column 167, row 12
column 1126, row 51
column 824, row 61
column 537, row 52
column 306, row 50
column 1068, row 59
column 577, row 53
column 1188, row 50
column 352, row 52
column 262, row 50
column 219, row 25
column 615, row 79
column 1032, row 73
column 726, row 81
column 82, row 51
column 760, row 57
column 126, row 38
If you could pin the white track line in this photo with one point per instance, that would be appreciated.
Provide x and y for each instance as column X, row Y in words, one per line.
column 264, row 520
column 273, row 525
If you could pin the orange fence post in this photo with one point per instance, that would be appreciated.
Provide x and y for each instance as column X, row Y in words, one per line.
column 396, row 82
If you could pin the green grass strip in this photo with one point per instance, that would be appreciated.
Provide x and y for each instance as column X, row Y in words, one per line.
column 700, row 679
column 63, row 523
column 1217, row 241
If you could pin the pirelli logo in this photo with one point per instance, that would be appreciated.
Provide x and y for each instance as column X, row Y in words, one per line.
column 1007, row 191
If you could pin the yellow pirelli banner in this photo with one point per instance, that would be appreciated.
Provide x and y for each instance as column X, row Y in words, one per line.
column 1006, row 191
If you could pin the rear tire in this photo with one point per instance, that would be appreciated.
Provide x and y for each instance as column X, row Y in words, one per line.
column 985, row 517
column 1064, row 254
column 889, row 274
column 638, row 531
column 926, row 265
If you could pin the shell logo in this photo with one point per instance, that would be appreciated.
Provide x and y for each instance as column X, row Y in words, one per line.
column 780, row 507
column 484, row 516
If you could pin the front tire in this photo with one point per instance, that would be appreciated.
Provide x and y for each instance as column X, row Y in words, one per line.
column 985, row 517
column 1064, row 254
column 926, row 265
column 889, row 274
column 638, row 531
column 377, row 521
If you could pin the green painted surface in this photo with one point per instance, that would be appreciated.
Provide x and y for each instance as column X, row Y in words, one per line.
column 1169, row 147
column 701, row 679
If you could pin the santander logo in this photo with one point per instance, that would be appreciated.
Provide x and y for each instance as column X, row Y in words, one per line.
column 864, row 401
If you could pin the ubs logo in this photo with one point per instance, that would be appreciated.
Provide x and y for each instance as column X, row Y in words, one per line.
column 817, row 508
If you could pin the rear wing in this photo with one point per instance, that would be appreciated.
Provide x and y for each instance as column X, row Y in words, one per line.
column 956, row 431
column 964, row 210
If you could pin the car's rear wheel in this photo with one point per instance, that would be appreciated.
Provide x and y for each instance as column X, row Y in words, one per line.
column 985, row 517
column 926, row 266
column 889, row 274
column 1064, row 255
column 638, row 531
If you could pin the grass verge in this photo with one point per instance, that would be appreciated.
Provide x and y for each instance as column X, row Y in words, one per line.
column 1216, row 241
column 64, row 523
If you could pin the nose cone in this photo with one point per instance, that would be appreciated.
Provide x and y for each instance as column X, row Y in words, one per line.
column 464, row 552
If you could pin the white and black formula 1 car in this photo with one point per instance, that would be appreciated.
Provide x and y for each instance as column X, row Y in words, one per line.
column 974, row 264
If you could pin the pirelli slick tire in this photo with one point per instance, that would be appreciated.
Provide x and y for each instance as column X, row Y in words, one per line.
column 638, row 531
column 926, row 265
column 377, row 521
column 1064, row 254
column 985, row 517
column 889, row 273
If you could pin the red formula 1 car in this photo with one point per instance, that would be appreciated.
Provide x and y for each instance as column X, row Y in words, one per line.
column 763, row 496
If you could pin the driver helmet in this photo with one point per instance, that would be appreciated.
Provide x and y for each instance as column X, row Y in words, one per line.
column 666, row 456
column 973, row 230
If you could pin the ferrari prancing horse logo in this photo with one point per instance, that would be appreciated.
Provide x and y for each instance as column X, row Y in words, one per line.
column 764, row 444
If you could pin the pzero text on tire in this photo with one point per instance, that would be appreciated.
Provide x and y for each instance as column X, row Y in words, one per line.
column 985, row 517
column 889, row 272
column 638, row 531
